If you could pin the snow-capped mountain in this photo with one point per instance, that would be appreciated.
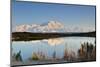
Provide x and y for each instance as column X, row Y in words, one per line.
column 52, row 26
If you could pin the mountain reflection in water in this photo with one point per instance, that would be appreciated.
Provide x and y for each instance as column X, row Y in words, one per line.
column 67, row 48
column 55, row 41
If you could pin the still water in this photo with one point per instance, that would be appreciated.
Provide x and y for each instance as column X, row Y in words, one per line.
column 49, row 46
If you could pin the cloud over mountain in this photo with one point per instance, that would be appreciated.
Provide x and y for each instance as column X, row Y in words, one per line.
column 53, row 26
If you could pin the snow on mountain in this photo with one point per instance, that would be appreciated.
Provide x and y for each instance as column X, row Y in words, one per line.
column 52, row 26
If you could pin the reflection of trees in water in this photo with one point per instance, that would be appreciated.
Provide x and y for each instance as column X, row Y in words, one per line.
column 87, row 52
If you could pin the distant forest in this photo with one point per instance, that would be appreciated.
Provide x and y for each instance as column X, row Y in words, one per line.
column 26, row 36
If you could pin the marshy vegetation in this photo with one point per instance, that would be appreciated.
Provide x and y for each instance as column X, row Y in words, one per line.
column 87, row 52
column 17, row 56
column 69, row 55
column 38, row 56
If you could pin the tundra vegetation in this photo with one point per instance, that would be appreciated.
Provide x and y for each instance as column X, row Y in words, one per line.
column 87, row 52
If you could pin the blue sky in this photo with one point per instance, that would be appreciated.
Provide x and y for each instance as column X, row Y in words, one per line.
column 38, row 13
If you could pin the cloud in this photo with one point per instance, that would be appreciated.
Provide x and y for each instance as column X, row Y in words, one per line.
column 22, row 28
column 52, row 26
column 80, row 29
column 55, row 25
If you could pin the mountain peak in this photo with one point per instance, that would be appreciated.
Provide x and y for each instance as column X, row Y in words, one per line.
column 52, row 26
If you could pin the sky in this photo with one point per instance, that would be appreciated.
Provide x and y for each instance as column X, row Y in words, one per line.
column 39, row 13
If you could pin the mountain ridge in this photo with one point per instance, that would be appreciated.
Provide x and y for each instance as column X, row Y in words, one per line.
column 52, row 26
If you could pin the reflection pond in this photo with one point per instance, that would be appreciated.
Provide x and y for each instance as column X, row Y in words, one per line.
column 49, row 49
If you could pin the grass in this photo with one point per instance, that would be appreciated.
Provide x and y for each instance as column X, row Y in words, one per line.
column 87, row 52
column 38, row 56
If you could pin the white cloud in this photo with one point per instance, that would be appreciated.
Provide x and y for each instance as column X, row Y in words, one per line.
column 53, row 26
column 80, row 29
column 22, row 28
